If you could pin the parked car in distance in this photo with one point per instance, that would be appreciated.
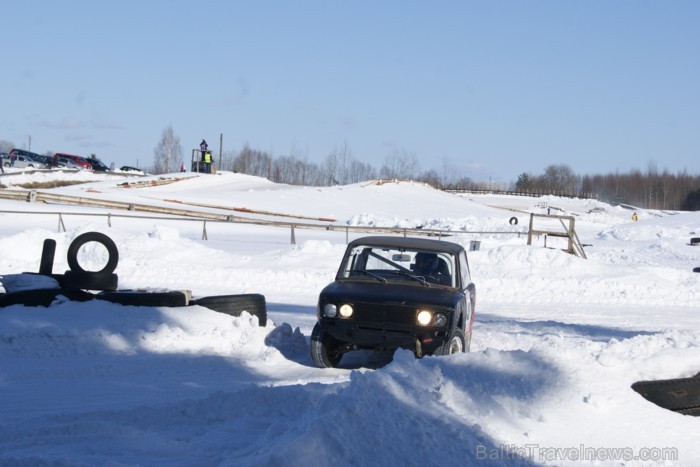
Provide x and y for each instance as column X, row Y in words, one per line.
column 97, row 165
column 23, row 159
column 395, row 292
column 46, row 160
column 76, row 159
column 126, row 168
column 23, row 162
column 65, row 163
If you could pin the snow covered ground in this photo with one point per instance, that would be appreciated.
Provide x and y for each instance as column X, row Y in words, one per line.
column 557, row 343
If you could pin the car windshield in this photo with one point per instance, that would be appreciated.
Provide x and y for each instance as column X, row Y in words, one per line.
column 388, row 263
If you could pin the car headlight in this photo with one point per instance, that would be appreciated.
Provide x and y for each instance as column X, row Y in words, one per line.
column 440, row 320
column 330, row 310
column 424, row 317
column 346, row 310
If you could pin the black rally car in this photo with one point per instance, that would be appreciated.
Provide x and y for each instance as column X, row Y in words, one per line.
column 395, row 292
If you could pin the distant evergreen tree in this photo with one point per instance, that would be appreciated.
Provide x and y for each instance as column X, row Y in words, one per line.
column 692, row 201
column 524, row 182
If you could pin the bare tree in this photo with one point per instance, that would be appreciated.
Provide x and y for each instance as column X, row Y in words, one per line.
column 560, row 179
column 361, row 172
column 330, row 169
column 447, row 171
column 401, row 165
column 168, row 153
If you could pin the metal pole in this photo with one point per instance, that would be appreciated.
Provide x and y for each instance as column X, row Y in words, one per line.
column 221, row 150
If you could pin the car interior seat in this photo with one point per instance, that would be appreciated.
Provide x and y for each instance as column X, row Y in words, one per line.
column 443, row 271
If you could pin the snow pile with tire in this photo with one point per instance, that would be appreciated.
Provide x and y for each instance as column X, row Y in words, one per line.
column 43, row 288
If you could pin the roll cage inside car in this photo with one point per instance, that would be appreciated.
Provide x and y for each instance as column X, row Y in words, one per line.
column 384, row 263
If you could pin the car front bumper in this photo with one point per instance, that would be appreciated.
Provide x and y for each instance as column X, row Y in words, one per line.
column 363, row 335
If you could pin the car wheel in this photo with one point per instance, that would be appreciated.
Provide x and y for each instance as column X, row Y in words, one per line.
column 695, row 241
column 98, row 237
column 456, row 344
column 172, row 298
column 325, row 351
column 90, row 280
column 234, row 305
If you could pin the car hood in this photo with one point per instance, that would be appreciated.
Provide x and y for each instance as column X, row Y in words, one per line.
column 389, row 292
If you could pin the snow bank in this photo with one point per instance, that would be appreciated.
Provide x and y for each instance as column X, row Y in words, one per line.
column 558, row 340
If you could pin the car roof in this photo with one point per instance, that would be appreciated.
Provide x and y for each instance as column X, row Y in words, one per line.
column 24, row 152
column 63, row 154
column 408, row 242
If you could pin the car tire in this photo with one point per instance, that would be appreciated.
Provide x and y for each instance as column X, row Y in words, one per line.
column 696, row 269
column 42, row 297
column 90, row 280
column 513, row 221
column 48, row 253
column 98, row 237
column 171, row 298
column 234, row 305
column 695, row 241
column 324, row 348
column 455, row 344
column 467, row 342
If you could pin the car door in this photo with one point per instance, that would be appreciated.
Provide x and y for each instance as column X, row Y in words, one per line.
column 467, row 287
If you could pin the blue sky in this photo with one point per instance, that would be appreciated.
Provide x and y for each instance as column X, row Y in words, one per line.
column 495, row 88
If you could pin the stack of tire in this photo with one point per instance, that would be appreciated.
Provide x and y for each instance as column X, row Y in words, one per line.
column 76, row 282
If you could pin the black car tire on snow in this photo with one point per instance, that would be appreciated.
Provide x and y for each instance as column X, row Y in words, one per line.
column 455, row 344
column 324, row 348
column 695, row 241
column 98, row 237
column 90, row 280
column 42, row 297
column 234, row 305
column 171, row 298
column 696, row 269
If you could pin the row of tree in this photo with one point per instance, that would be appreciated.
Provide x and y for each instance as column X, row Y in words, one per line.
column 652, row 189
column 340, row 167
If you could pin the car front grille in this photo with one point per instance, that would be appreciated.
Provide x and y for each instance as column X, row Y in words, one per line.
column 384, row 314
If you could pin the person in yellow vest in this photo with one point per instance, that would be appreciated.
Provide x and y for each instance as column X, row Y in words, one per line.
column 634, row 217
column 207, row 162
